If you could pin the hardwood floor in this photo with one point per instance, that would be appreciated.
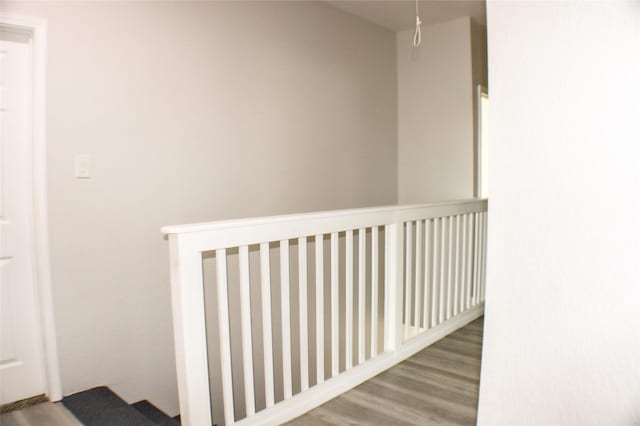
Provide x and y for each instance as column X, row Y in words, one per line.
column 44, row 414
column 437, row 386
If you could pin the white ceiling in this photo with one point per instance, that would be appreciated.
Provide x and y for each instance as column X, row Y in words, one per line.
column 398, row 15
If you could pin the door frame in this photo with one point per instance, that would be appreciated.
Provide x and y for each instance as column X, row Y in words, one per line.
column 38, row 30
column 480, row 92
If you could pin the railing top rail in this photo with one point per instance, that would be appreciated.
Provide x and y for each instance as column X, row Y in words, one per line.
column 291, row 218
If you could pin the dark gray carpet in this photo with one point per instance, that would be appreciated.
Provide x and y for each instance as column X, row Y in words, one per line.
column 154, row 414
column 101, row 407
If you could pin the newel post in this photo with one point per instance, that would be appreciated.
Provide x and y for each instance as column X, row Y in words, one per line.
column 190, row 340
column 394, row 256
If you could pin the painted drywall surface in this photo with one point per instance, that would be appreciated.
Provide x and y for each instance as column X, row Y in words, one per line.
column 562, row 325
column 194, row 112
column 436, row 112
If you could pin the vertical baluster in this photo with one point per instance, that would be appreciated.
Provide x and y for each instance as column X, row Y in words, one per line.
column 407, row 278
column 484, row 256
column 435, row 278
column 374, row 291
column 286, row 318
column 469, row 264
column 418, row 278
column 334, row 305
column 302, row 295
column 476, row 260
column 245, row 327
column 361, row 291
column 463, row 262
column 451, row 269
column 265, row 275
column 444, row 270
column 349, row 300
column 428, row 253
column 319, row 309
column 456, row 264
column 476, row 251
column 480, row 254
column 225, row 337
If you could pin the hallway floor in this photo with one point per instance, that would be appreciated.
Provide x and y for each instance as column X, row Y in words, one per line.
column 437, row 386
column 44, row 414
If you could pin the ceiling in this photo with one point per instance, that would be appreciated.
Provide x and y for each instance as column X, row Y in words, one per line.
column 398, row 15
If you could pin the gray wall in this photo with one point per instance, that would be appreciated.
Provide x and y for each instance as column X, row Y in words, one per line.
column 436, row 110
column 194, row 112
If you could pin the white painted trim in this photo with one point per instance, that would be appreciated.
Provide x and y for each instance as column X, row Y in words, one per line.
column 392, row 214
column 480, row 92
column 38, row 29
column 303, row 402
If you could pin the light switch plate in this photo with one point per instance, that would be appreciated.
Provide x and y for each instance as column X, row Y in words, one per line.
column 83, row 166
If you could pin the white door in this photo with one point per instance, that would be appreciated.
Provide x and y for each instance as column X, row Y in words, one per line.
column 21, row 354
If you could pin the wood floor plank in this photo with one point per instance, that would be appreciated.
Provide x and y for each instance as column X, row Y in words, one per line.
column 435, row 361
column 464, row 358
column 410, row 394
column 458, row 346
column 360, row 415
column 44, row 414
column 432, row 377
column 441, row 389
column 438, row 385
column 467, row 337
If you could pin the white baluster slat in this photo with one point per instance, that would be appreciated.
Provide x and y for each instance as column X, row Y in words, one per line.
column 245, row 326
column 349, row 299
column 225, row 337
column 335, row 349
column 444, row 270
column 361, row 292
column 483, row 280
column 463, row 262
column 460, row 294
column 319, row 309
column 451, row 262
column 374, row 291
column 453, row 265
column 476, row 252
column 469, row 263
column 267, row 339
column 435, row 280
column 285, row 303
column 418, row 277
column 302, row 304
column 407, row 278
column 428, row 254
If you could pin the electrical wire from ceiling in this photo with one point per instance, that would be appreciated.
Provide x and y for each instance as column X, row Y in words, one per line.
column 417, row 36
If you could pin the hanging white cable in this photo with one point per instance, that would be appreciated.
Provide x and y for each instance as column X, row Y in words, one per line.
column 417, row 36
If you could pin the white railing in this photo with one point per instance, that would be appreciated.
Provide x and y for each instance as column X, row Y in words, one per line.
column 418, row 273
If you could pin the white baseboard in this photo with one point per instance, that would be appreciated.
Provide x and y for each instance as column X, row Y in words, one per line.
column 319, row 394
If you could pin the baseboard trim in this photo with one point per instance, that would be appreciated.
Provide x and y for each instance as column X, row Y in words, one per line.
column 23, row 403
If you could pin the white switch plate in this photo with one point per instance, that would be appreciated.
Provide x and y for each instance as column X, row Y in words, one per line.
column 83, row 166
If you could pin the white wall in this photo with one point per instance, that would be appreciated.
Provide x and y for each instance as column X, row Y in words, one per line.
column 193, row 112
column 562, row 327
column 436, row 104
